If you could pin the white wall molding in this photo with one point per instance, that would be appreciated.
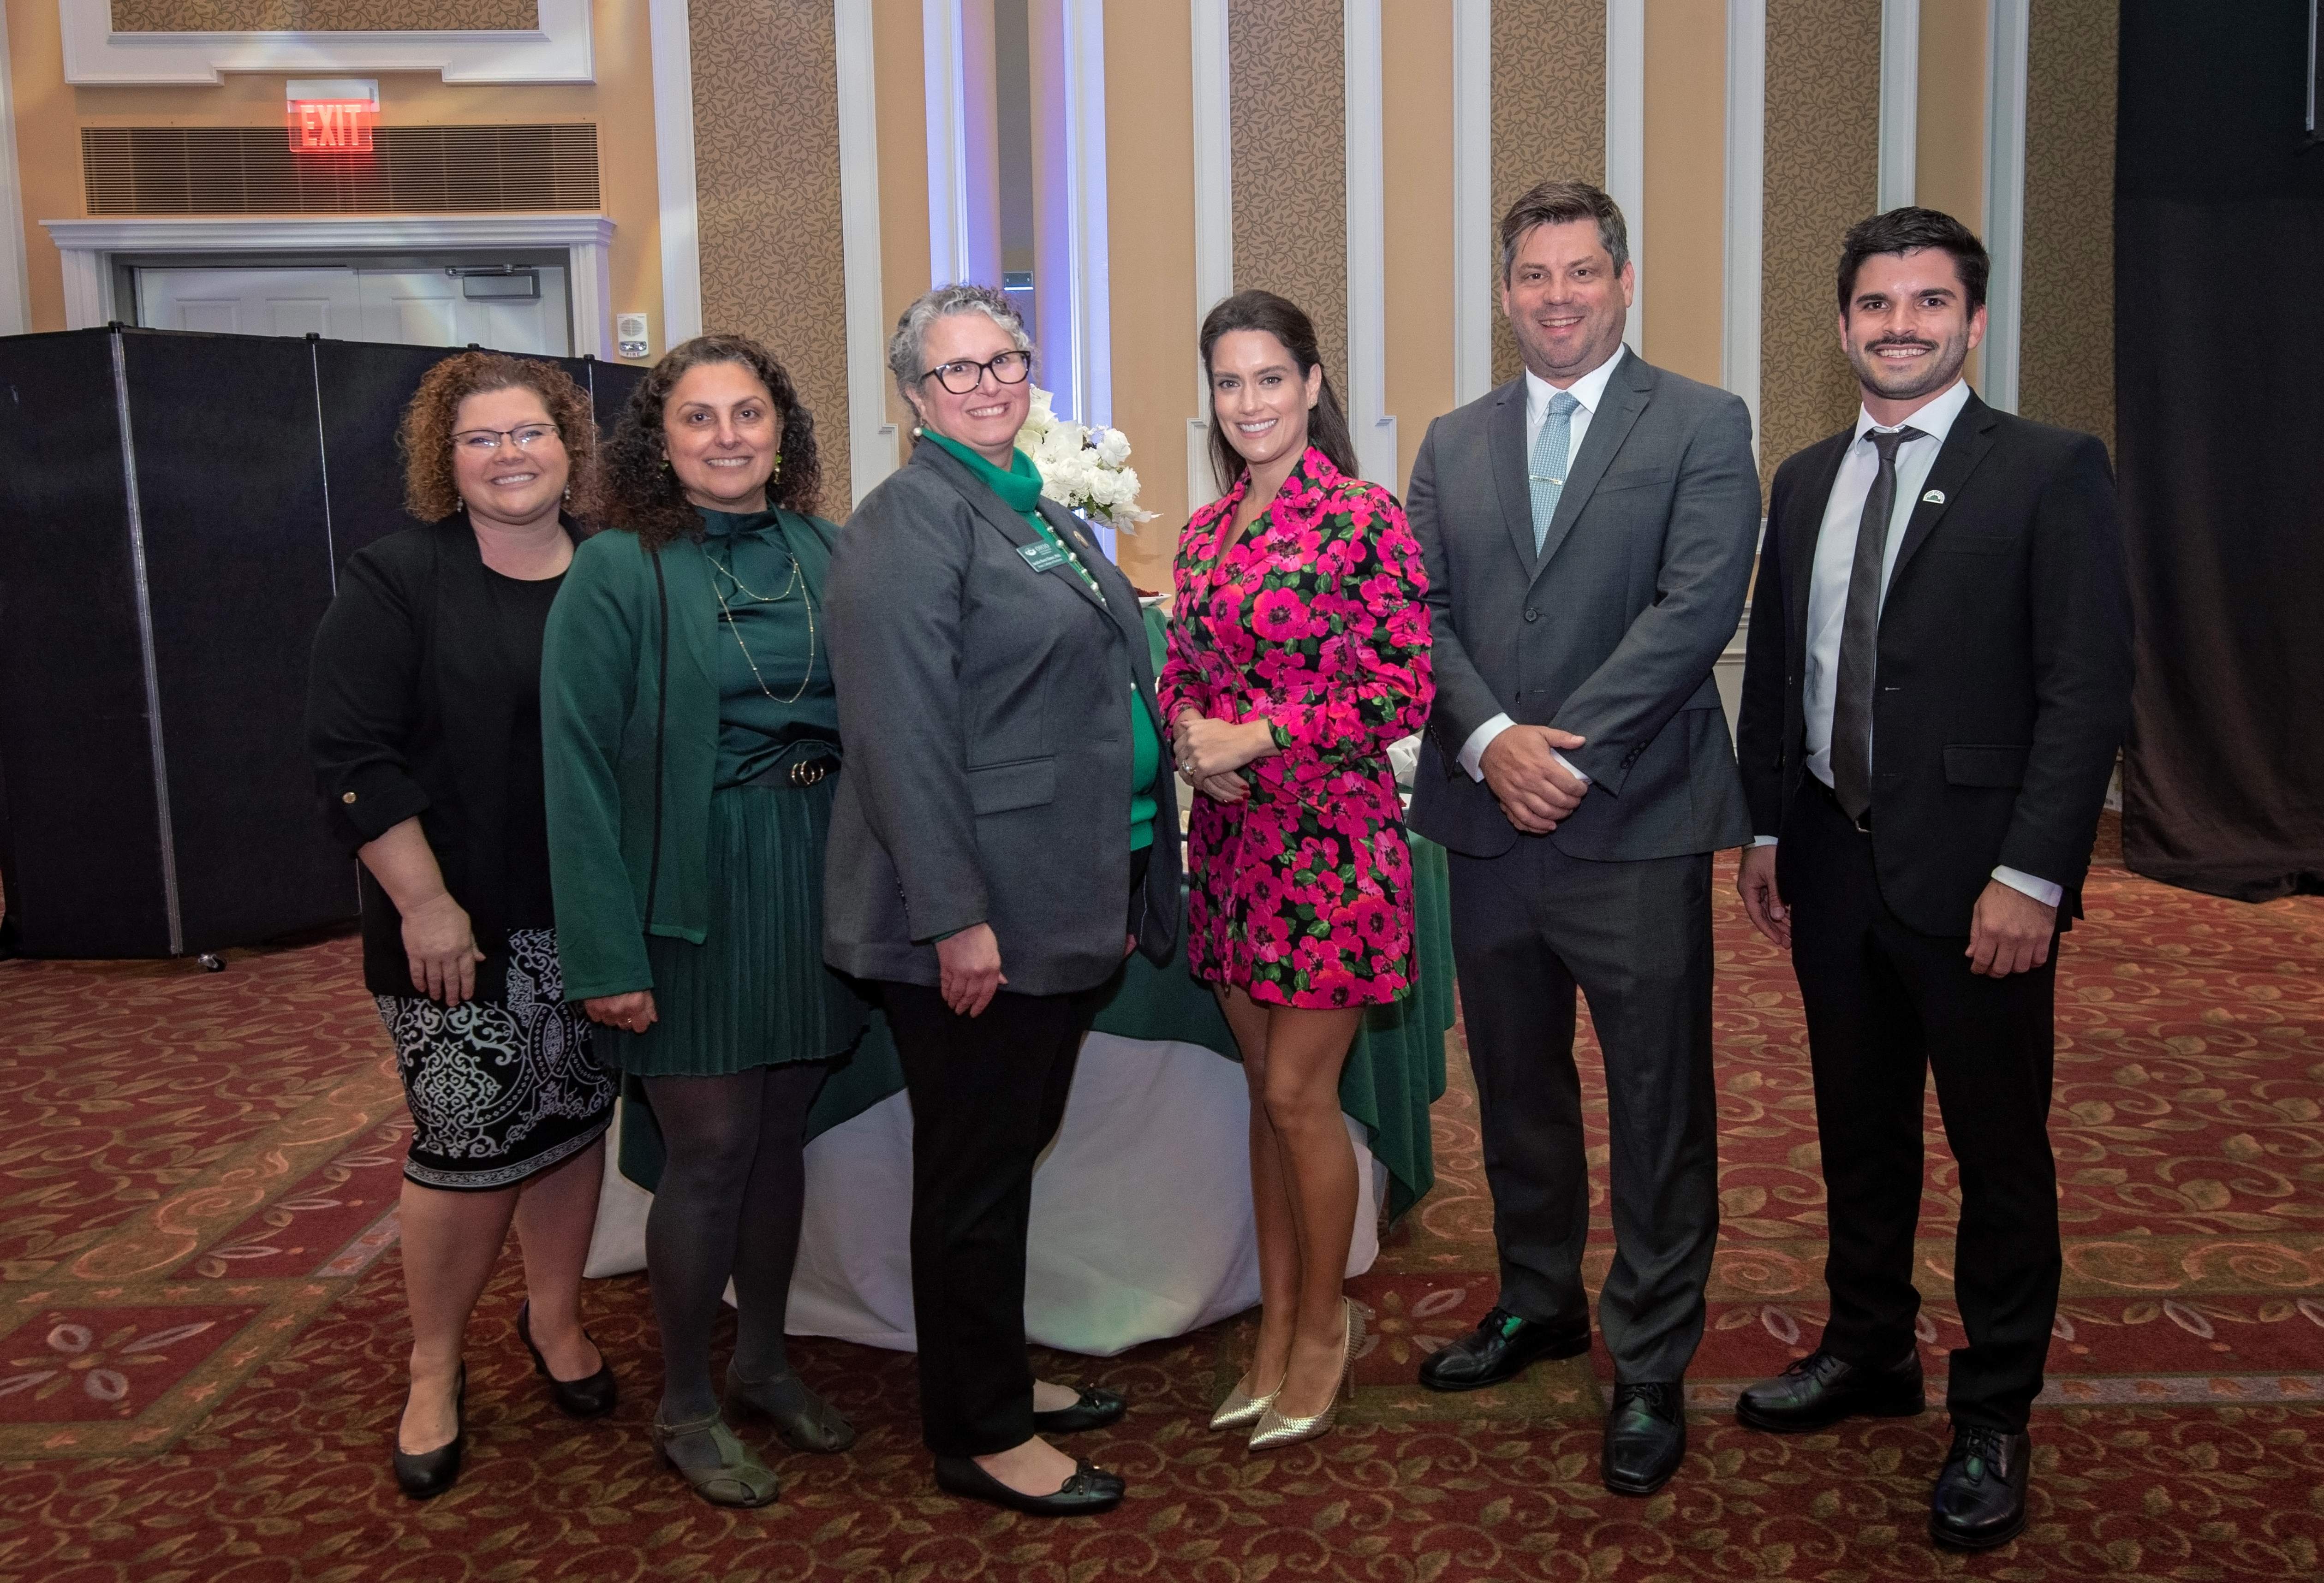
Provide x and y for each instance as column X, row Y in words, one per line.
column 88, row 246
column 1899, row 102
column 1214, row 219
column 1625, row 139
column 1746, row 202
column 940, row 74
column 1089, row 350
column 561, row 49
column 670, row 31
column 1373, row 425
column 1474, row 259
column 2004, row 197
column 15, row 302
column 871, row 437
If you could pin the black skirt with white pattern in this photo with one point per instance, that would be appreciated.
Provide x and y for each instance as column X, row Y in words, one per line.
column 499, row 1089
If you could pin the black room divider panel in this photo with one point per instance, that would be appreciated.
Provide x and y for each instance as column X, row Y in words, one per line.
column 173, row 511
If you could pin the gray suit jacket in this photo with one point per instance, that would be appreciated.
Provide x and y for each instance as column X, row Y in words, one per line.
column 1610, row 632
column 984, row 711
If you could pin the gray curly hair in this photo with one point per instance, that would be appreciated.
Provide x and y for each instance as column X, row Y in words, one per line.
column 905, row 347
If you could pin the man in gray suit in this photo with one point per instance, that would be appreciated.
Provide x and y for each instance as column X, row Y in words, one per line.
column 1589, row 530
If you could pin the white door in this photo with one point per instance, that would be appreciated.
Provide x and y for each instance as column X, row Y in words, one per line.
column 410, row 307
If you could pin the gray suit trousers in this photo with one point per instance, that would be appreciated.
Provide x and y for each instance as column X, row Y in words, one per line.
column 1529, row 927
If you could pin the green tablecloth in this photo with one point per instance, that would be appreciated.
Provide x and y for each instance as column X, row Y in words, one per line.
column 1394, row 1070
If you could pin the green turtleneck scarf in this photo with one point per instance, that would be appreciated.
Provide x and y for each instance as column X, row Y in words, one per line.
column 1019, row 489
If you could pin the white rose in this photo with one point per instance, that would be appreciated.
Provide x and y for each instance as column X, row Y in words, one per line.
column 1112, row 447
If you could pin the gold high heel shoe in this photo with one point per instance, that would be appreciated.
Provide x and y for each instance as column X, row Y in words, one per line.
column 1276, row 1430
column 1240, row 1411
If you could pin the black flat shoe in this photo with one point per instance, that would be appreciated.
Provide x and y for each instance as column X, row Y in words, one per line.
column 1502, row 1347
column 589, row 1398
column 1980, row 1501
column 1092, row 1409
column 425, row 1475
column 803, row 1419
column 1090, row 1490
column 1646, row 1436
column 1820, row 1390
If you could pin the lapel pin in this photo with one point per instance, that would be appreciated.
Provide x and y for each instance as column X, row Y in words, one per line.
column 1935, row 497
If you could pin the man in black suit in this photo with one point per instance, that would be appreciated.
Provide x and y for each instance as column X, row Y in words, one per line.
column 1937, row 677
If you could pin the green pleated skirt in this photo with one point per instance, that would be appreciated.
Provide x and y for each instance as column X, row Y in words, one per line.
column 755, row 991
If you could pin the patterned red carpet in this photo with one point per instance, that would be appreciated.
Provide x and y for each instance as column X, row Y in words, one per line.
column 200, row 1333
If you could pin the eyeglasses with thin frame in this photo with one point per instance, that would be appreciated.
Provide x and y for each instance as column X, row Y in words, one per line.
column 484, row 442
column 961, row 375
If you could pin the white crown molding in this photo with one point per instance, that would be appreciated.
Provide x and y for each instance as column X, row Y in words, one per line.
column 871, row 437
column 1473, row 262
column 15, row 304
column 1899, row 102
column 2004, row 197
column 669, row 31
column 1746, row 205
column 1214, row 219
column 561, row 49
column 1626, row 140
column 1367, row 221
column 1089, row 262
column 86, row 245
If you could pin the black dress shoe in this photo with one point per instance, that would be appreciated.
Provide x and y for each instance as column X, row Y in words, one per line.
column 1820, row 1390
column 1981, row 1496
column 1090, row 1489
column 589, row 1398
column 425, row 1475
column 1646, row 1436
column 1501, row 1347
column 1092, row 1409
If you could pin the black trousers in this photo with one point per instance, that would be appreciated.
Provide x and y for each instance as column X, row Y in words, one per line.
column 1529, row 928
column 988, row 1092
column 1886, row 1006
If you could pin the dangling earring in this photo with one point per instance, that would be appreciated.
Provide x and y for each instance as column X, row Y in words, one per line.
column 777, row 470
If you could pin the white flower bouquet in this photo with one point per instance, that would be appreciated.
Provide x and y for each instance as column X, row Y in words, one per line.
column 1083, row 469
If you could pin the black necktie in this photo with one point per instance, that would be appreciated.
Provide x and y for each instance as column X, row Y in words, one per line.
column 1860, row 634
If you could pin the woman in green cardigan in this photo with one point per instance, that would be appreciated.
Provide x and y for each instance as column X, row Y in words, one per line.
column 692, row 750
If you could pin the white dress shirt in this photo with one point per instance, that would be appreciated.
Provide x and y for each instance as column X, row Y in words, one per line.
column 1835, row 565
column 1590, row 390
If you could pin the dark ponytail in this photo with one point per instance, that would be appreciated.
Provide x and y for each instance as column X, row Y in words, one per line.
column 1327, row 425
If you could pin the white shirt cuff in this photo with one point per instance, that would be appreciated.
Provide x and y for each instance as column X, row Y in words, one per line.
column 2045, row 891
column 1472, row 752
column 1763, row 841
column 1566, row 764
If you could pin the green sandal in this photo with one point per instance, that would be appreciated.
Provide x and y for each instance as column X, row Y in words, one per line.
column 803, row 1419
column 738, row 1479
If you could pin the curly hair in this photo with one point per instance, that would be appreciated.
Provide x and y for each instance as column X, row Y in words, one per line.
column 424, row 437
column 634, row 489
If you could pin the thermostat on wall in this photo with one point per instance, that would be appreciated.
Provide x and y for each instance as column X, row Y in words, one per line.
column 630, row 335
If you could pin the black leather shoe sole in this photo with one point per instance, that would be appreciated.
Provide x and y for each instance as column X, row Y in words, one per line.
column 1992, row 1539
column 1853, row 1404
column 1090, row 1490
column 1569, row 1344
column 1646, row 1486
column 1095, row 1410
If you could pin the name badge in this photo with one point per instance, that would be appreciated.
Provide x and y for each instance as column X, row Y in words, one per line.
column 1042, row 555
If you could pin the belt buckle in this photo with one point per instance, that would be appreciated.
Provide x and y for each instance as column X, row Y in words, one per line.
column 808, row 771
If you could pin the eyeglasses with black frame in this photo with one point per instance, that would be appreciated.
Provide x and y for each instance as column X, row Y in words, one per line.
column 961, row 375
column 484, row 442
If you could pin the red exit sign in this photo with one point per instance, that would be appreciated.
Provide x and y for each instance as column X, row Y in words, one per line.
column 332, row 126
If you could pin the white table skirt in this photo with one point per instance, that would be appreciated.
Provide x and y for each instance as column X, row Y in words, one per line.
column 1141, row 1224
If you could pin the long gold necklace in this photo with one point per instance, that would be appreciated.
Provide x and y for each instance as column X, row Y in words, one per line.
column 726, row 612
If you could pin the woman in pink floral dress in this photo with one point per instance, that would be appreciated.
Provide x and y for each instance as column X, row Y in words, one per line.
column 1299, row 651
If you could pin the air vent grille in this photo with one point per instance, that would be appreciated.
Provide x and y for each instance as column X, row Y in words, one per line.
column 409, row 169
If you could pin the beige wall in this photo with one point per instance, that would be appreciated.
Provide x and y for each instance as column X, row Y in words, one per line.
column 1687, row 185
column 1416, row 129
column 900, row 95
column 2065, row 372
column 49, row 116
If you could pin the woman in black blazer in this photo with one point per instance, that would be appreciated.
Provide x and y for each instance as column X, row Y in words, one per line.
column 424, row 724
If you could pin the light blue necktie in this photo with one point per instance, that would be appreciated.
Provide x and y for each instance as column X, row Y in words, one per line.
column 1551, row 450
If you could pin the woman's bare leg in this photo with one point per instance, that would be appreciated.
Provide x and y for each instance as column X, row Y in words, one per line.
column 1270, row 1203
column 450, row 1242
column 1306, row 1050
column 556, row 1213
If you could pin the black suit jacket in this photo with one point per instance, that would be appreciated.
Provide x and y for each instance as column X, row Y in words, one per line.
column 2005, row 664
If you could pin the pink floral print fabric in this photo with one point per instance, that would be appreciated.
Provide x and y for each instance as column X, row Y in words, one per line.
column 1302, row 894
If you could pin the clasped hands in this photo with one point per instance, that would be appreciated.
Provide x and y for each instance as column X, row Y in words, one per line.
column 1535, row 790
column 1213, row 752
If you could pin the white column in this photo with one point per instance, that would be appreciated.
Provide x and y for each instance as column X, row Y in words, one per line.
column 1089, row 351
column 1367, row 211
column 1746, row 200
column 871, row 437
column 1899, row 102
column 2004, row 197
column 671, row 34
column 964, row 230
column 1475, row 257
column 1625, row 138
column 15, row 302
column 1214, row 219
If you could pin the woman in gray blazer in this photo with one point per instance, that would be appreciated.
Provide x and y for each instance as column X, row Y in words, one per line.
column 1006, row 834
